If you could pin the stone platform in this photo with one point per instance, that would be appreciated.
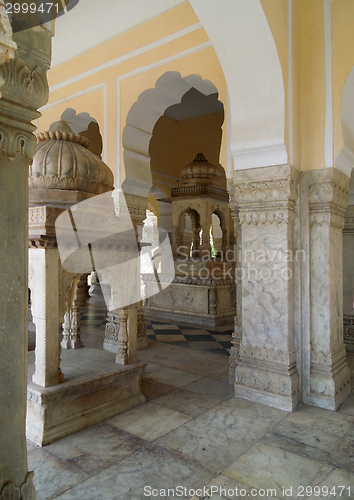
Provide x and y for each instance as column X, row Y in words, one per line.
column 191, row 300
column 95, row 388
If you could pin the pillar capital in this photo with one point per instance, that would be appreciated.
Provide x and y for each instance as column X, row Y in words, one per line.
column 328, row 189
column 259, row 186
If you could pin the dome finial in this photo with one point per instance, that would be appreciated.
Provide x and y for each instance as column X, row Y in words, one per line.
column 200, row 157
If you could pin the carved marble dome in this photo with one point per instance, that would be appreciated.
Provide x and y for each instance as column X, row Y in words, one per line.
column 61, row 161
column 200, row 171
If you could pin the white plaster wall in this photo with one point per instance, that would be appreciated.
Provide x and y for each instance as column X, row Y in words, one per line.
column 244, row 44
column 91, row 22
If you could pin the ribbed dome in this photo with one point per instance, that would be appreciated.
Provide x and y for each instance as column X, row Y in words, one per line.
column 199, row 170
column 61, row 161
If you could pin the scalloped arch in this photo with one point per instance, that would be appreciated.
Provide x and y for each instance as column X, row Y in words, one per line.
column 142, row 117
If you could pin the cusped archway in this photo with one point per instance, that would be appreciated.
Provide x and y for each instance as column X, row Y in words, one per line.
column 169, row 91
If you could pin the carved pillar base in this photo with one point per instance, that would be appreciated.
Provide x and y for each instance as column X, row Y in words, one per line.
column 268, row 376
column 266, row 371
column 329, row 383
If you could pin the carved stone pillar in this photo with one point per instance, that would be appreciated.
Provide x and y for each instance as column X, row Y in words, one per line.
column 122, row 353
column 72, row 321
column 44, row 284
column 111, row 333
column 237, row 332
column 127, row 337
column 141, row 327
column 348, row 278
column 267, row 371
column 24, row 89
column 329, row 375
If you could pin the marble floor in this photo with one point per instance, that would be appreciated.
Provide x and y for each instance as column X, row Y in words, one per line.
column 213, row 340
column 192, row 433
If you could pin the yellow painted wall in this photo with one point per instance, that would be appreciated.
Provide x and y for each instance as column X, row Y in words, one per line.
column 96, row 93
column 129, row 76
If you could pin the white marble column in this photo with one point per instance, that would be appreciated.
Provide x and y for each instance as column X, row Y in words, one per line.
column 44, row 283
column 266, row 371
column 75, row 297
column 23, row 88
column 329, row 383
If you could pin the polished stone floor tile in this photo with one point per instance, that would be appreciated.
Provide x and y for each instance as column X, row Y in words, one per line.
column 149, row 421
column 221, row 338
column 212, row 388
column 271, row 468
column 187, row 332
column 206, row 345
column 323, row 420
column 170, row 338
column 152, row 367
column 51, row 475
column 196, row 362
column 307, row 436
column 31, row 446
column 348, row 406
column 152, row 467
column 152, row 388
column 289, row 444
column 329, row 480
column 111, row 445
column 231, row 489
column 92, row 341
column 91, row 322
column 171, row 376
column 343, row 455
column 220, row 435
column 350, row 434
column 190, row 403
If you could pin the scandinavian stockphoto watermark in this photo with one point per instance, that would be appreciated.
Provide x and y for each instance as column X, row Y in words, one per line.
column 262, row 265
column 99, row 235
